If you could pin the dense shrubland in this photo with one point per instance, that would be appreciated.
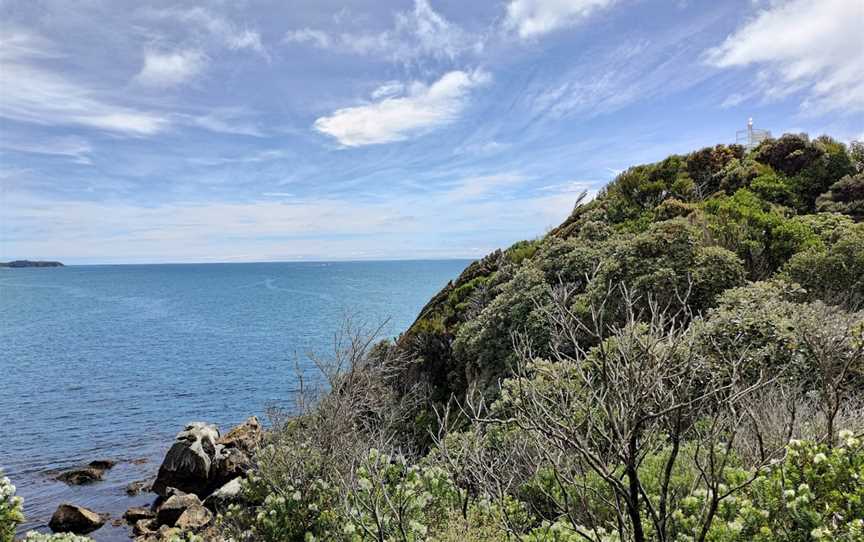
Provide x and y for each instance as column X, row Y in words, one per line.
column 681, row 360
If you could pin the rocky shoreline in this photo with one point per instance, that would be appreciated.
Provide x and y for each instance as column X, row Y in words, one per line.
column 199, row 477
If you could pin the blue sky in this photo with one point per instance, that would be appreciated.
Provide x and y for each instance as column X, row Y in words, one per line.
column 286, row 130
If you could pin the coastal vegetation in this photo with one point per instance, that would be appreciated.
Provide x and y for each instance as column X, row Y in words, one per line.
column 682, row 359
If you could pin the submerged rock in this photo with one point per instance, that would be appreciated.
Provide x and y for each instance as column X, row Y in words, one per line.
column 102, row 464
column 69, row 518
column 86, row 475
column 80, row 477
column 136, row 487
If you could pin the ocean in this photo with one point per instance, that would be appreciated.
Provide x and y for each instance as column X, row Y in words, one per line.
column 110, row 362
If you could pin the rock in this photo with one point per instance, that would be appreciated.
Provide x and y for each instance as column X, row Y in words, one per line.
column 195, row 517
column 139, row 461
column 187, row 464
column 228, row 463
column 224, row 496
column 171, row 510
column 75, row 519
column 86, row 475
column 80, row 477
column 247, row 436
column 102, row 464
column 167, row 533
column 137, row 513
column 136, row 487
column 145, row 526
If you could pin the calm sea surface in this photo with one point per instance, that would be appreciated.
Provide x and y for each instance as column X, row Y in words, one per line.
column 111, row 361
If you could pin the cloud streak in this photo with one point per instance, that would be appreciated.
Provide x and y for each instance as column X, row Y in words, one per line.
column 396, row 118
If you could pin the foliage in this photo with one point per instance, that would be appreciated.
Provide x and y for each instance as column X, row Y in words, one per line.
column 33, row 536
column 845, row 196
column 815, row 493
column 11, row 509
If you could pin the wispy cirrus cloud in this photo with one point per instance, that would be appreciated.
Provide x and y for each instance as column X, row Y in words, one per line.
column 416, row 34
column 475, row 188
column 214, row 26
column 398, row 117
column 75, row 148
column 800, row 45
column 531, row 19
column 36, row 94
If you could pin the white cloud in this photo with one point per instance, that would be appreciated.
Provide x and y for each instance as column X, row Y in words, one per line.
column 396, row 118
column 415, row 35
column 803, row 45
column 533, row 18
column 170, row 69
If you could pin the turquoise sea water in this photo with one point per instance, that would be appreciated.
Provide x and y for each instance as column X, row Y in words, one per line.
column 112, row 361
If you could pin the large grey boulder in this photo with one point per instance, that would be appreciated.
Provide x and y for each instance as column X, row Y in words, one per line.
column 187, row 464
column 69, row 518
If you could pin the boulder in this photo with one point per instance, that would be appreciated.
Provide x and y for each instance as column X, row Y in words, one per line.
column 187, row 464
column 228, row 463
column 194, row 518
column 170, row 511
column 247, row 436
column 69, row 518
column 137, row 513
column 224, row 496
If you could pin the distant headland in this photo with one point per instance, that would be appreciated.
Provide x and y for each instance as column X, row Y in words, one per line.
column 29, row 263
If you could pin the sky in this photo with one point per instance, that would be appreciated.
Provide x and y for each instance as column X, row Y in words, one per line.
column 135, row 132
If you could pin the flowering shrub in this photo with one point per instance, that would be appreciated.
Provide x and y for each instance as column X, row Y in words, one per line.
column 395, row 501
column 815, row 493
column 33, row 536
column 10, row 509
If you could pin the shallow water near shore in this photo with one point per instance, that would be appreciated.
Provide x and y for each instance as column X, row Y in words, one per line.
column 111, row 361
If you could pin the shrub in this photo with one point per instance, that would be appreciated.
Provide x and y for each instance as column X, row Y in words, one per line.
column 11, row 509
column 392, row 500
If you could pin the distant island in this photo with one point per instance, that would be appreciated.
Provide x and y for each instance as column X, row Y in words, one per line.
column 29, row 263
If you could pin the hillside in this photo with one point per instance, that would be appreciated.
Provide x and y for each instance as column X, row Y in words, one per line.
column 704, row 223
